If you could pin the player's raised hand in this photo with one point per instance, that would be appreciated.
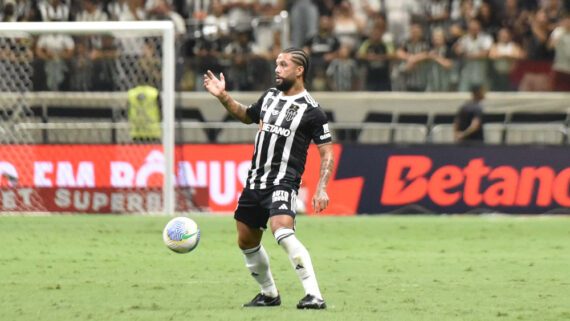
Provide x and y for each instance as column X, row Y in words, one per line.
column 214, row 85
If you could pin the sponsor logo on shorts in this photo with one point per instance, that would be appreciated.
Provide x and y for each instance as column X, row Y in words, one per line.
column 280, row 196
column 283, row 207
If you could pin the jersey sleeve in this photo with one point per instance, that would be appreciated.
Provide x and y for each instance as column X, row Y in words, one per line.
column 254, row 110
column 320, row 132
column 478, row 113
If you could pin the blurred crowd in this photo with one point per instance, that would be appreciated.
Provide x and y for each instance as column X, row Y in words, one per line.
column 372, row 45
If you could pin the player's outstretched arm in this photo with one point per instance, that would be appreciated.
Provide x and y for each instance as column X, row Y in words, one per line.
column 217, row 87
column 321, row 199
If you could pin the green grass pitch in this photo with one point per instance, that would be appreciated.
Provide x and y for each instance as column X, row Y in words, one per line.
column 369, row 268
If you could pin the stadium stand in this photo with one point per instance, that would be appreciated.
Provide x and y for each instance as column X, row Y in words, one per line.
column 208, row 37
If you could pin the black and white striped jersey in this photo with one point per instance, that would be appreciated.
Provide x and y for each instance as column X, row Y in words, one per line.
column 287, row 124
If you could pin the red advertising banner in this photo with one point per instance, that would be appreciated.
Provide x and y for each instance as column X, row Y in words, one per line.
column 96, row 199
column 366, row 180
column 105, row 176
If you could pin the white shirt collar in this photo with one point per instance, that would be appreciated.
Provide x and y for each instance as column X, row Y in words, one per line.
column 294, row 97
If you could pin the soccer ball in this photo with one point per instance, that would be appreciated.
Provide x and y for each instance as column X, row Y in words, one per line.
column 181, row 234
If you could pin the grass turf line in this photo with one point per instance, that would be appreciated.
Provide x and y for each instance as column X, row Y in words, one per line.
column 369, row 268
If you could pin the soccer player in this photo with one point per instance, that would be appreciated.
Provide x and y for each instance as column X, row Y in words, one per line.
column 289, row 118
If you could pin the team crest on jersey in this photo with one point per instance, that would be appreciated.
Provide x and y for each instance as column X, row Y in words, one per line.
column 291, row 112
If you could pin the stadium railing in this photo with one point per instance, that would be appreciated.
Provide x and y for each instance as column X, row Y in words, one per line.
column 200, row 119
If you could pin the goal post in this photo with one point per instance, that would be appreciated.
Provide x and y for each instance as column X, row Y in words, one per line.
column 18, row 127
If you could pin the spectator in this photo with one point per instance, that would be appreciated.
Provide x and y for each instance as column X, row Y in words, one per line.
column 437, row 14
column 91, row 12
column 537, row 48
column 126, row 10
column 515, row 19
column 304, row 19
column 81, row 67
column 130, row 46
column 468, row 123
column 104, row 70
column 54, row 52
column 536, row 71
column 198, row 9
column 376, row 52
column 239, row 53
column 553, row 10
column 322, row 48
column 24, row 10
column 161, row 10
column 560, row 42
column 342, row 72
column 440, row 63
column 473, row 48
column 9, row 13
column 366, row 11
column 455, row 10
column 117, row 8
column 54, row 10
column 454, row 34
column 347, row 28
column 467, row 13
column 399, row 15
column 217, row 18
column 149, row 66
column 489, row 18
column 239, row 12
column 265, row 11
column 504, row 55
column 207, row 52
column 414, row 54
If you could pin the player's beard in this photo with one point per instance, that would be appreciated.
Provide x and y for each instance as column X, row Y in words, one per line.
column 285, row 84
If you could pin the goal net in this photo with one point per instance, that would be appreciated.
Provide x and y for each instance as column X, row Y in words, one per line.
column 59, row 152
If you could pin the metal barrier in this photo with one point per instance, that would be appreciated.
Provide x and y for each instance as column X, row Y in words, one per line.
column 346, row 133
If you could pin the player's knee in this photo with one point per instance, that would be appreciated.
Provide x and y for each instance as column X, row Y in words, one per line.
column 248, row 237
column 245, row 244
column 281, row 221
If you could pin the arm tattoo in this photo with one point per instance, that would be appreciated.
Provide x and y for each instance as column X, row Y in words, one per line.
column 327, row 167
column 236, row 109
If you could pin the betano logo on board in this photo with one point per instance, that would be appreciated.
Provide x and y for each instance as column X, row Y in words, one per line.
column 408, row 180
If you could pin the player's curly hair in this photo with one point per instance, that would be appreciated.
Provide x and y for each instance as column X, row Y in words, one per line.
column 300, row 58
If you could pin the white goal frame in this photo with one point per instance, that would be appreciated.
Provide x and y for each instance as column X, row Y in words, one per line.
column 165, row 29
